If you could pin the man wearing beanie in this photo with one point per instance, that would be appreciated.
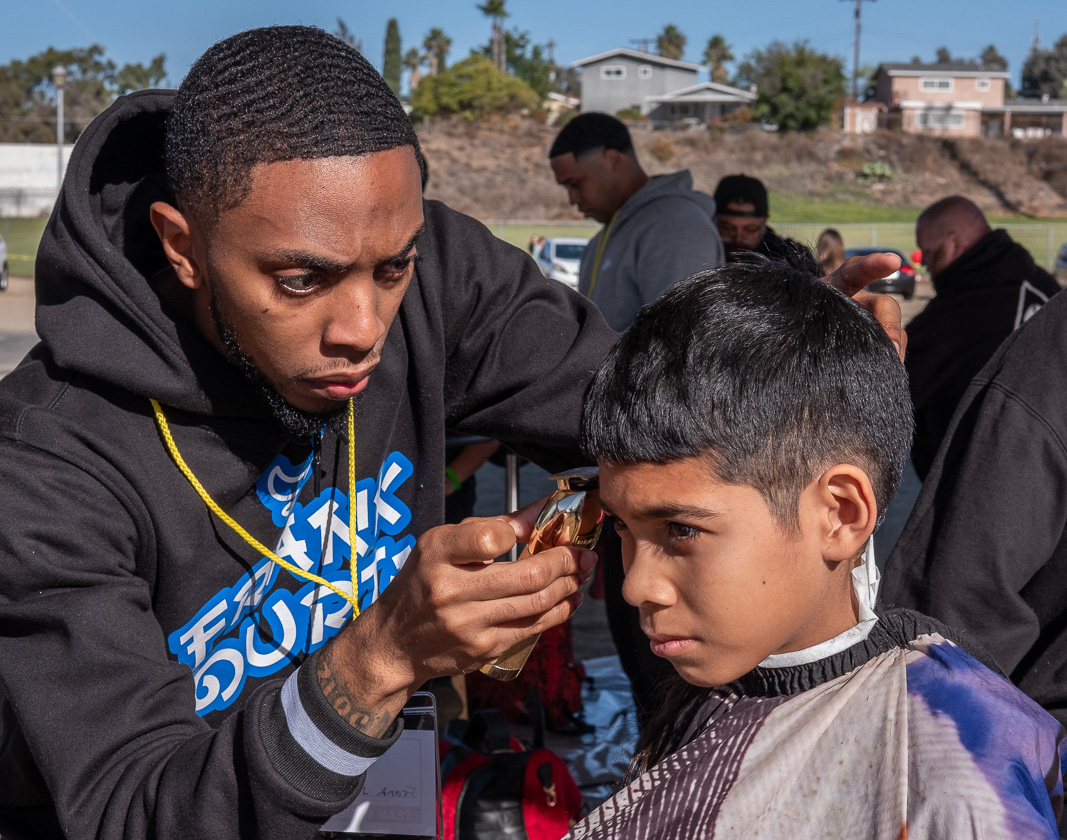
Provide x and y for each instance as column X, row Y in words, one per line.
column 741, row 217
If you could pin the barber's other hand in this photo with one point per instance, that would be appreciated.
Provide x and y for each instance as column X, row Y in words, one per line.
column 451, row 610
column 858, row 272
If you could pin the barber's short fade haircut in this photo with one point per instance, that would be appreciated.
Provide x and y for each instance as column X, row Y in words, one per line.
column 768, row 373
column 275, row 94
column 590, row 131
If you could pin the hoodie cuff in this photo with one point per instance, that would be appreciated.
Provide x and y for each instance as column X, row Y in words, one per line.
column 312, row 746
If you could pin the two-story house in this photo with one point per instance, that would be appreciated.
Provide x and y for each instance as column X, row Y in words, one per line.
column 658, row 88
column 954, row 100
column 940, row 98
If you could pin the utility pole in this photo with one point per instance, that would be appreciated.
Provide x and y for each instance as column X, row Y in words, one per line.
column 856, row 52
column 551, row 46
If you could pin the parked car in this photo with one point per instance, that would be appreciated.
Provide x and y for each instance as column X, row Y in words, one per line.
column 559, row 258
column 1060, row 269
column 901, row 282
column 3, row 264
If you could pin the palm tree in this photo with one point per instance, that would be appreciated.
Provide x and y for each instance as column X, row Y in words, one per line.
column 670, row 43
column 716, row 54
column 413, row 60
column 437, row 44
column 495, row 9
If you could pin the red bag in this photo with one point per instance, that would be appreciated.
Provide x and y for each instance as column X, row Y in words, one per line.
column 552, row 671
column 494, row 789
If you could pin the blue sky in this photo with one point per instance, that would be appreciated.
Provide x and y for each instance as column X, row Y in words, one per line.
column 893, row 30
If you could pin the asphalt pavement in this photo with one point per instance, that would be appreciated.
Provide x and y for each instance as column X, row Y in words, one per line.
column 16, row 323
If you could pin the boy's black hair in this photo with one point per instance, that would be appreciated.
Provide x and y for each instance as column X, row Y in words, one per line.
column 275, row 94
column 590, row 131
column 765, row 371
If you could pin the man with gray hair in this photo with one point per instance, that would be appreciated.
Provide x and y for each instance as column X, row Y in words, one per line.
column 987, row 285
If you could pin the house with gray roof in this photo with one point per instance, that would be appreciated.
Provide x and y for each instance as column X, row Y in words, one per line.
column 658, row 88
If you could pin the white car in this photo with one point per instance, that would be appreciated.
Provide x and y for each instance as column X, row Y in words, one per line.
column 559, row 258
column 3, row 264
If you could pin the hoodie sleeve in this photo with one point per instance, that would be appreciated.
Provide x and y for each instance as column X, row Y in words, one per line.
column 110, row 718
column 520, row 348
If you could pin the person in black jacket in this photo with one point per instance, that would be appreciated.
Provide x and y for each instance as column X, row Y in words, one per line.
column 985, row 548
column 987, row 285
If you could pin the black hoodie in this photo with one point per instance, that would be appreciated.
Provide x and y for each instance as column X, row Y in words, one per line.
column 985, row 548
column 143, row 644
column 981, row 297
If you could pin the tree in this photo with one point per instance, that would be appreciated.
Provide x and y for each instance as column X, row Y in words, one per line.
column 437, row 44
column 991, row 57
column 943, row 56
column 347, row 35
column 1045, row 71
column 131, row 77
column 28, row 94
column 568, row 81
column 797, row 87
column 527, row 62
column 716, row 54
column 670, row 43
column 413, row 60
column 471, row 89
column 392, row 63
column 495, row 10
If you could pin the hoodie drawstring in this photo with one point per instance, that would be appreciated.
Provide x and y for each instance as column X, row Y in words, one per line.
column 172, row 448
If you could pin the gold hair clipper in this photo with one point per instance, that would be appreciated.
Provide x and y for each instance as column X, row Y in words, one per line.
column 571, row 516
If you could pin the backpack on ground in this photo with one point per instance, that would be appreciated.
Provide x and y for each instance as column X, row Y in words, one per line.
column 492, row 788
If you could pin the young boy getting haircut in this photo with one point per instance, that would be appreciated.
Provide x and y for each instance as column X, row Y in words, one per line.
column 750, row 428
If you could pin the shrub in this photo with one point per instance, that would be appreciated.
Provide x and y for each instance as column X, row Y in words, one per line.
column 874, row 171
column 661, row 149
column 628, row 113
column 471, row 89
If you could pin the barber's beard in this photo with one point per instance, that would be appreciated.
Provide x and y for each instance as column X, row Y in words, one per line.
column 296, row 422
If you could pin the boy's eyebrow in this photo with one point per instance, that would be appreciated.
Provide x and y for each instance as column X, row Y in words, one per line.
column 668, row 511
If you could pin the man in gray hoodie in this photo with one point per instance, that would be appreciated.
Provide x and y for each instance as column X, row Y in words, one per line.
column 657, row 230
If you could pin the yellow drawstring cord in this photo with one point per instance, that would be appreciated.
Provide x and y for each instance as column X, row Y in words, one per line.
column 172, row 448
column 600, row 247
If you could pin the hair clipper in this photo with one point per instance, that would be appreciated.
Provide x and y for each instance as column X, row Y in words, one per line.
column 571, row 516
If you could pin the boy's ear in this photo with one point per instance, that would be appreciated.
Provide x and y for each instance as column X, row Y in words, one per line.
column 848, row 510
column 175, row 232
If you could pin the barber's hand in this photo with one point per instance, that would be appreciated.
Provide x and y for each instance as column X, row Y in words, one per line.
column 855, row 275
column 448, row 611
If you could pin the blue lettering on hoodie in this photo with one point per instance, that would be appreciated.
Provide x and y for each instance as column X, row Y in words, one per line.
column 253, row 629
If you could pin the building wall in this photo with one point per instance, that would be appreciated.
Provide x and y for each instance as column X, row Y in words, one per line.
column 970, row 125
column 612, row 94
column 892, row 90
column 964, row 89
column 28, row 177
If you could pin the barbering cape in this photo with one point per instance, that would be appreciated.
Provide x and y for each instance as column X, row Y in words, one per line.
column 904, row 734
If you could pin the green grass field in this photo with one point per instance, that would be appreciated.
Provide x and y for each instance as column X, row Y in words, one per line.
column 22, row 236
column 860, row 224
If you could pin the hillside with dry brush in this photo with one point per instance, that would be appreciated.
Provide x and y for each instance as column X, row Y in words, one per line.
column 500, row 170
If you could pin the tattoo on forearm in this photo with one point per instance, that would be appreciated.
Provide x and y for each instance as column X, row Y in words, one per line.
column 366, row 721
